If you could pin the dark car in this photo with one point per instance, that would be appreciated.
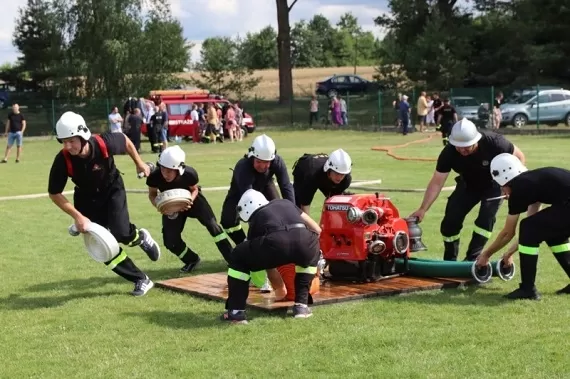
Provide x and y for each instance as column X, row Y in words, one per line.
column 345, row 85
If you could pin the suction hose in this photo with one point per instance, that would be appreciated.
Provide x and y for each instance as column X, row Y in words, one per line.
column 452, row 269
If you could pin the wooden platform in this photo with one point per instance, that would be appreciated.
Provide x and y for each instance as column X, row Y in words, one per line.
column 213, row 286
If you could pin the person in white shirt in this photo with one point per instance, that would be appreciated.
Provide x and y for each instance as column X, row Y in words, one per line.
column 194, row 116
column 115, row 121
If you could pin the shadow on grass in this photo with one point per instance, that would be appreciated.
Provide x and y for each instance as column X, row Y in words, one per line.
column 17, row 302
column 81, row 284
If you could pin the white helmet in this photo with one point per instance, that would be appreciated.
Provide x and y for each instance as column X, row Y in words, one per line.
column 339, row 161
column 250, row 201
column 262, row 148
column 173, row 157
column 505, row 167
column 71, row 124
column 464, row 134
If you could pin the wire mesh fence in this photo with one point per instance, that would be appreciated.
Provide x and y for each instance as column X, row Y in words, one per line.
column 533, row 106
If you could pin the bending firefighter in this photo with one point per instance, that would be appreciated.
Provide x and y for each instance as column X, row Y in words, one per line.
column 99, row 191
column 328, row 174
column 469, row 153
column 279, row 233
column 526, row 190
column 173, row 173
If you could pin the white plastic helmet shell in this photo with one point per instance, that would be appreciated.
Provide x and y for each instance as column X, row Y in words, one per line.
column 262, row 148
column 250, row 201
column 464, row 133
column 339, row 161
column 173, row 157
column 71, row 124
column 505, row 167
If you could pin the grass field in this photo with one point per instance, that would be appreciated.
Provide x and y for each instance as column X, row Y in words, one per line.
column 304, row 79
column 64, row 315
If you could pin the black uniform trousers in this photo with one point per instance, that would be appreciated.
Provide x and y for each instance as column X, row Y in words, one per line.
column 550, row 225
column 230, row 217
column 152, row 133
column 461, row 201
column 109, row 209
column 172, row 229
column 134, row 135
column 279, row 247
column 446, row 127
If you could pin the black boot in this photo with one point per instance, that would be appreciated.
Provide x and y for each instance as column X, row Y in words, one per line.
column 564, row 262
column 190, row 259
column 476, row 246
column 451, row 250
column 527, row 288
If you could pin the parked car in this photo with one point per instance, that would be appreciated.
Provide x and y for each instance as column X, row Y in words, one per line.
column 550, row 107
column 470, row 108
column 346, row 85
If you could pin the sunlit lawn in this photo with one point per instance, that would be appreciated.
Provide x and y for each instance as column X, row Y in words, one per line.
column 65, row 316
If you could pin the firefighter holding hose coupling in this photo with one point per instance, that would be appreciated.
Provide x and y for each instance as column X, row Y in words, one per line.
column 526, row 190
column 329, row 174
column 469, row 154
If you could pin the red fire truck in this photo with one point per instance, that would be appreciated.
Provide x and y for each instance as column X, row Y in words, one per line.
column 178, row 106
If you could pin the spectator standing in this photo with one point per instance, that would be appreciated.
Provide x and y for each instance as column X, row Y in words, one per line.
column 15, row 127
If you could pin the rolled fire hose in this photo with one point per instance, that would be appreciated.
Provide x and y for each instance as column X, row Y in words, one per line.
column 453, row 269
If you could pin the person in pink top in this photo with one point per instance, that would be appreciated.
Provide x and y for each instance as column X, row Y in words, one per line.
column 231, row 124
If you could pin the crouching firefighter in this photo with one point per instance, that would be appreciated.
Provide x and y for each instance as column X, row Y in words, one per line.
column 99, row 191
column 173, row 173
column 279, row 233
column 468, row 153
column 328, row 174
column 526, row 190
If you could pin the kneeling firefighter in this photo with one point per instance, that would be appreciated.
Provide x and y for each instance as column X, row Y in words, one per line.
column 526, row 190
column 279, row 234
column 329, row 174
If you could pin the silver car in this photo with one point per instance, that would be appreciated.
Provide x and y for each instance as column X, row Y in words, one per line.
column 550, row 107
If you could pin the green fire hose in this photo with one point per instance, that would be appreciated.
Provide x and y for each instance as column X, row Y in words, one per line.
column 446, row 269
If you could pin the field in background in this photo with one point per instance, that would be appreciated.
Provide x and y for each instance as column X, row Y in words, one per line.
column 304, row 79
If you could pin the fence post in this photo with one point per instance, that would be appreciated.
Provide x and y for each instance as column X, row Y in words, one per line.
column 380, row 109
column 52, row 117
column 492, row 108
column 537, row 106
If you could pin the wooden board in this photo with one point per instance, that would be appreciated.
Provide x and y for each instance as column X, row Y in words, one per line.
column 214, row 286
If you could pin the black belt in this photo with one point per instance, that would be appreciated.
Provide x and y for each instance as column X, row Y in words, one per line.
column 286, row 227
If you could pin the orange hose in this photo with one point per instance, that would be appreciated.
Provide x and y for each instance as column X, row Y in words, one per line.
column 390, row 150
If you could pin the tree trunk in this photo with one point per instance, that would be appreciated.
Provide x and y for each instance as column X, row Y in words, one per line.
column 284, row 49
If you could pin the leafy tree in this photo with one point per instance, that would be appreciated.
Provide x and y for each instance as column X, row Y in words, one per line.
column 220, row 71
column 258, row 51
column 38, row 40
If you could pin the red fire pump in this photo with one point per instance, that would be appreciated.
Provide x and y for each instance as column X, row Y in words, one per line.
column 362, row 235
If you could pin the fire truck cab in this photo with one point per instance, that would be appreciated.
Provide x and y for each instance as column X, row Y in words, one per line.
column 178, row 106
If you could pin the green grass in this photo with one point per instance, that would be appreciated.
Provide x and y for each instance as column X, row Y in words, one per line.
column 64, row 315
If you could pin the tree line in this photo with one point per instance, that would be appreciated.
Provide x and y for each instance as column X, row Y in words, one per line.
column 443, row 44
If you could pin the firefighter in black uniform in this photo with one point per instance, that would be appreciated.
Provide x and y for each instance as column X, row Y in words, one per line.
column 156, row 124
column 172, row 173
column 469, row 154
column 255, row 171
column 526, row 190
column 329, row 174
column 279, row 233
column 99, row 191
column 446, row 118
